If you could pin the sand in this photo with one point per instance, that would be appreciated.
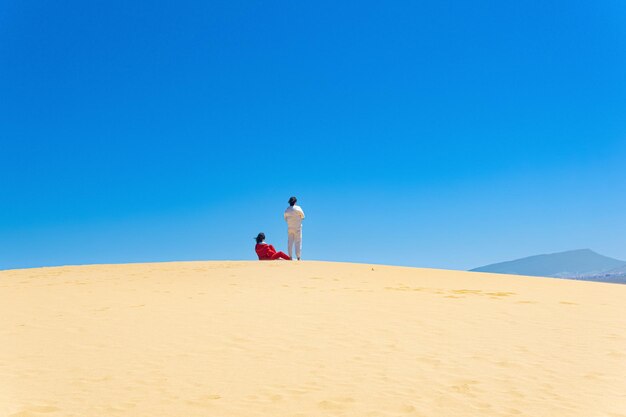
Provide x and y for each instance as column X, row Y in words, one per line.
column 307, row 339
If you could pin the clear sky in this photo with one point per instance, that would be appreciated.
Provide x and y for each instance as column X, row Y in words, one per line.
column 445, row 134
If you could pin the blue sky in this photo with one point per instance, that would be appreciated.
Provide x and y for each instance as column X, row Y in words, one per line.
column 439, row 134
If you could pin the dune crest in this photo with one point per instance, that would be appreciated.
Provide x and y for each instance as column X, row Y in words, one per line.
column 307, row 339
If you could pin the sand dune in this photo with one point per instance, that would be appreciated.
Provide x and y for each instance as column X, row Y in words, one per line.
column 307, row 339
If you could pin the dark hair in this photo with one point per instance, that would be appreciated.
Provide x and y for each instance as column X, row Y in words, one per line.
column 260, row 237
column 292, row 201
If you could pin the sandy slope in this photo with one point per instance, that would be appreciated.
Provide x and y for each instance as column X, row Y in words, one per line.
column 310, row 339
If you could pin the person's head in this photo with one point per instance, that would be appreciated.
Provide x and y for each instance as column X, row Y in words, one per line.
column 292, row 201
column 260, row 237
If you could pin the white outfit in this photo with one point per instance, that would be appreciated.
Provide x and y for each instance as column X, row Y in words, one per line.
column 293, row 217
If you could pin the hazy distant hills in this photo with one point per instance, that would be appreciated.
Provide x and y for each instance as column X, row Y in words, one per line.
column 583, row 264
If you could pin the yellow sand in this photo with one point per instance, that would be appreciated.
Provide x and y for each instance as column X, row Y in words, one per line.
column 293, row 339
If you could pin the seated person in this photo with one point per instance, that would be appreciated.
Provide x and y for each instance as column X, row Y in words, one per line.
column 267, row 252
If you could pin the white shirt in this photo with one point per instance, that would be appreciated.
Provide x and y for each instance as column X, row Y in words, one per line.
column 293, row 217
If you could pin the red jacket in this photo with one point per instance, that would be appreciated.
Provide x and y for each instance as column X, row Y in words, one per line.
column 264, row 251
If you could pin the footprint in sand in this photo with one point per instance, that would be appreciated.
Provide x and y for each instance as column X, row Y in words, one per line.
column 464, row 387
column 500, row 294
column 479, row 292
column 205, row 401
column 466, row 291
column 338, row 403
column 35, row 410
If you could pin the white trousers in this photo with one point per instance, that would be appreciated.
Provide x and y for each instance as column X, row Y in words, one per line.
column 294, row 237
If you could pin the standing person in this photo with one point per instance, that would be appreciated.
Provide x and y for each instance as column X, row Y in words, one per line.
column 293, row 217
column 267, row 252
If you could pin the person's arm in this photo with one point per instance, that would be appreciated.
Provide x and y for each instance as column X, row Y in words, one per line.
column 259, row 251
column 301, row 213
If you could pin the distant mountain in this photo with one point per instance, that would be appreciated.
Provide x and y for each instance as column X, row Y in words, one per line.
column 583, row 264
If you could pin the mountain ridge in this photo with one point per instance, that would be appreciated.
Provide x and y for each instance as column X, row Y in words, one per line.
column 580, row 264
